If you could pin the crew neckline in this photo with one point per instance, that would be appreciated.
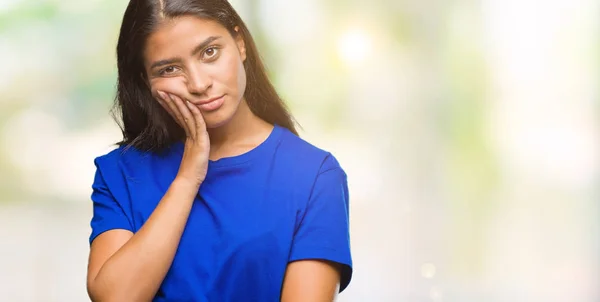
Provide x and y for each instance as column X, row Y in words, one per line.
column 263, row 147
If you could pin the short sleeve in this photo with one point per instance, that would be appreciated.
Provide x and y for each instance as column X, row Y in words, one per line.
column 107, row 212
column 323, row 232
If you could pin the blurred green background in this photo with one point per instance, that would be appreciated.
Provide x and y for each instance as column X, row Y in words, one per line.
column 469, row 131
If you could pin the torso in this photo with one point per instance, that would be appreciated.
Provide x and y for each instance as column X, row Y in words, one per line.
column 237, row 240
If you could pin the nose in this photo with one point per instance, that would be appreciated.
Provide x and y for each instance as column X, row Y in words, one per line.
column 198, row 81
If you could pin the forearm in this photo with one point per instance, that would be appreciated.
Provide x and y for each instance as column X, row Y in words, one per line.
column 136, row 270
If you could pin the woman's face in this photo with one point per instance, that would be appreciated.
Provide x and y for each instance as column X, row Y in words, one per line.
column 199, row 61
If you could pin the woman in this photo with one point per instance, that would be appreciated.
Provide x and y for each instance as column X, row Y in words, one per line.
column 211, row 195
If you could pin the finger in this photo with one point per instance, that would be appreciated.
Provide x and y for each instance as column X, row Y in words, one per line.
column 187, row 115
column 168, row 104
column 176, row 113
column 200, row 123
column 163, row 103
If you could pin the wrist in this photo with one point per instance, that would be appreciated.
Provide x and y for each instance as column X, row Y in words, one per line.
column 187, row 183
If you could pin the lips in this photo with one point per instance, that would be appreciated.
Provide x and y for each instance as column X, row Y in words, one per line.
column 211, row 104
column 207, row 101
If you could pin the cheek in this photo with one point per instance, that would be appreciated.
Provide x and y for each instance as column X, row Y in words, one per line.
column 169, row 85
column 232, row 74
column 241, row 79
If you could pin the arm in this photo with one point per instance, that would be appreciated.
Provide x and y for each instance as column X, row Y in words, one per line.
column 320, row 263
column 127, row 267
column 310, row 281
column 131, row 267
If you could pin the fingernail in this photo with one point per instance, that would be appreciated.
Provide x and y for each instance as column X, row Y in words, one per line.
column 162, row 94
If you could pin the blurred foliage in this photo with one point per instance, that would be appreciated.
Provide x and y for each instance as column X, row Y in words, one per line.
column 427, row 162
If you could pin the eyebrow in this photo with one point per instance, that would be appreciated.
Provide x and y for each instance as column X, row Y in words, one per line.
column 194, row 52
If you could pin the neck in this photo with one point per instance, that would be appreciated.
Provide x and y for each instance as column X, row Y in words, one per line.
column 243, row 127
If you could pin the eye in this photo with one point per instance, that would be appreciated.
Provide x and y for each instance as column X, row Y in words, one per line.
column 211, row 52
column 168, row 70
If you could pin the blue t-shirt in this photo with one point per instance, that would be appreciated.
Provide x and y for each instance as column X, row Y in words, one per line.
column 283, row 201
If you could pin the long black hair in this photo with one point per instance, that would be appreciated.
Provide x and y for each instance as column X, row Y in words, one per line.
column 144, row 123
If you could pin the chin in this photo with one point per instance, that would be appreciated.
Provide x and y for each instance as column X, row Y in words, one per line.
column 218, row 118
column 221, row 116
column 215, row 124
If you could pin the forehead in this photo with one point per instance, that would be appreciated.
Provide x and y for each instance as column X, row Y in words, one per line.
column 180, row 35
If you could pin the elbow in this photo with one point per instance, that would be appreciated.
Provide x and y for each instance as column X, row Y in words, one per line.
column 97, row 294
column 109, row 288
column 93, row 293
column 108, row 294
column 91, row 290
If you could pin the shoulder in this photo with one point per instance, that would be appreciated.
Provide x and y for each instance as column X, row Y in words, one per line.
column 113, row 157
column 128, row 155
column 123, row 169
column 305, row 154
column 124, row 162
